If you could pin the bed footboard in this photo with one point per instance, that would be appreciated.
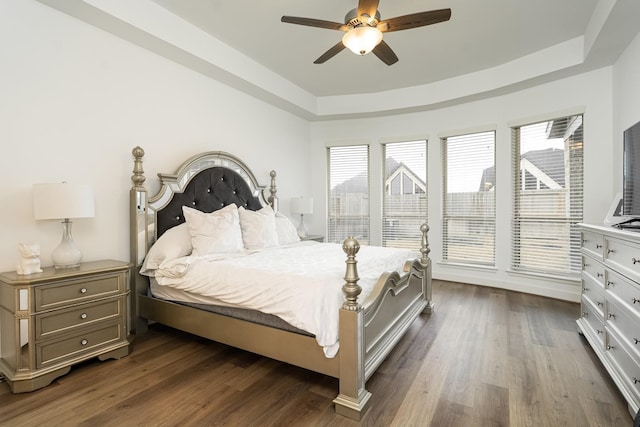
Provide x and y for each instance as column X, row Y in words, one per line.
column 369, row 332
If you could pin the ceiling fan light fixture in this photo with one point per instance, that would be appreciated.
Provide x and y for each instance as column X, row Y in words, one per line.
column 362, row 40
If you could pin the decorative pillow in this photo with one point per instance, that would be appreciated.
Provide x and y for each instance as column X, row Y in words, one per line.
column 258, row 228
column 286, row 231
column 174, row 243
column 215, row 232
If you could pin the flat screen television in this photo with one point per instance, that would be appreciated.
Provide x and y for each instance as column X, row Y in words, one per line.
column 631, row 172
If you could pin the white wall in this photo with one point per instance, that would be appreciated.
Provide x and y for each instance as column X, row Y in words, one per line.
column 75, row 100
column 590, row 92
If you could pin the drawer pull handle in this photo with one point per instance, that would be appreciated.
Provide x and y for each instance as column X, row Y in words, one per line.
column 585, row 314
column 636, row 300
column 585, row 265
column 598, row 246
column 599, row 274
column 635, row 380
column 599, row 331
column 610, row 251
column 609, row 282
column 636, row 341
column 83, row 290
column 610, row 347
column 634, row 260
column 83, row 316
column 611, row 316
column 599, row 304
column 585, row 289
column 84, row 342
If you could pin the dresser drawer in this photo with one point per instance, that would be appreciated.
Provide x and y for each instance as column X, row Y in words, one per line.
column 626, row 366
column 52, row 352
column 68, row 319
column 592, row 244
column 627, row 326
column 594, row 321
column 593, row 270
column 76, row 291
column 594, row 294
column 624, row 290
column 623, row 256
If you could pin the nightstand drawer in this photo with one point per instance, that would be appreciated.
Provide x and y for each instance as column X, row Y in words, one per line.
column 68, row 319
column 59, row 351
column 77, row 291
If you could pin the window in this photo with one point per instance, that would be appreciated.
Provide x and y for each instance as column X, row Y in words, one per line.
column 469, row 217
column 547, row 166
column 348, row 193
column 404, row 202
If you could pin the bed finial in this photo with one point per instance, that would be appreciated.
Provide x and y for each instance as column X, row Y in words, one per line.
column 273, row 199
column 351, row 289
column 424, row 245
column 138, row 177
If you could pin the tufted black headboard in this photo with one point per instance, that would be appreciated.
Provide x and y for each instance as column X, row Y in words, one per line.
column 208, row 191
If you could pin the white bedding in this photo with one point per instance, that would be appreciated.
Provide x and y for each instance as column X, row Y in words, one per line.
column 300, row 283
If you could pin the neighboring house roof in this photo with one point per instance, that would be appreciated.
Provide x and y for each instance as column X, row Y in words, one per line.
column 546, row 165
column 359, row 183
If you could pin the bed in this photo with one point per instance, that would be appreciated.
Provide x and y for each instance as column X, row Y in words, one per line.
column 369, row 319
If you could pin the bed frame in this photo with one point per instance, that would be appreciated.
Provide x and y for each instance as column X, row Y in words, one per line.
column 368, row 330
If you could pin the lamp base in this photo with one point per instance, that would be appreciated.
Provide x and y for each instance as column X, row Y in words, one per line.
column 67, row 254
column 302, row 229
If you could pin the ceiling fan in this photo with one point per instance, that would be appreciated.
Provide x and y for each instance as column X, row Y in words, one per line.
column 363, row 29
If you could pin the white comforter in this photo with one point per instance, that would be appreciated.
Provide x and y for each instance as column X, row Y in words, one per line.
column 300, row 283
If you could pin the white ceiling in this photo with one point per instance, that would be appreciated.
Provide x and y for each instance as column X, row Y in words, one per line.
column 487, row 48
column 479, row 35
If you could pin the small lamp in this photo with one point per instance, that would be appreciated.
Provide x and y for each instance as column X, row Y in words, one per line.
column 301, row 205
column 64, row 201
column 362, row 40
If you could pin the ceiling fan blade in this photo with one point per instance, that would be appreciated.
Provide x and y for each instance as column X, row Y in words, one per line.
column 384, row 52
column 330, row 53
column 414, row 20
column 319, row 23
column 368, row 7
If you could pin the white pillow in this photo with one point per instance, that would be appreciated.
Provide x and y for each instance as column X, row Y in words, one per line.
column 174, row 243
column 215, row 232
column 286, row 231
column 258, row 228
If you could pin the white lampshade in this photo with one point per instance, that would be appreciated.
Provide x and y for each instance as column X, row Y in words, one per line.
column 362, row 40
column 63, row 200
column 302, row 205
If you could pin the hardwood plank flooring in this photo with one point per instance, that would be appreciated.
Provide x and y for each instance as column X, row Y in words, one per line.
column 485, row 357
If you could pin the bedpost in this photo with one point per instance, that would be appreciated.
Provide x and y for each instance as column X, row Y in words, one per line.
column 353, row 397
column 138, row 238
column 273, row 199
column 426, row 263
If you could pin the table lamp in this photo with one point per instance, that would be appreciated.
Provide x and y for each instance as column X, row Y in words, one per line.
column 64, row 201
column 301, row 205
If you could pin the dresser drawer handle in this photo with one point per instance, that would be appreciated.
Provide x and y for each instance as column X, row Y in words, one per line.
column 599, row 304
column 635, row 380
column 585, row 265
column 585, row 314
column 585, row 289
column 598, row 246
column 636, row 341
column 599, row 274
column 83, row 316
column 83, row 290
column 635, row 300
column 610, row 347
column 609, row 283
column 610, row 251
column 598, row 331
column 84, row 342
column 634, row 260
column 611, row 316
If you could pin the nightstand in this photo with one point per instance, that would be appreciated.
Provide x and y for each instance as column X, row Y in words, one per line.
column 317, row 238
column 54, row 319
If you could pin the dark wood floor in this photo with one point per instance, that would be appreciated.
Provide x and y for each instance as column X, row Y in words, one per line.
column 486, row 357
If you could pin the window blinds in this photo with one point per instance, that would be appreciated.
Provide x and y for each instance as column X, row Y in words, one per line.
column 348, row 193
column 548, row 196
column 404, row 201
column 469, row 198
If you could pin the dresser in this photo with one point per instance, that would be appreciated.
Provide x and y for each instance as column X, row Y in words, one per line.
column 54, row 319
column 610, row 304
